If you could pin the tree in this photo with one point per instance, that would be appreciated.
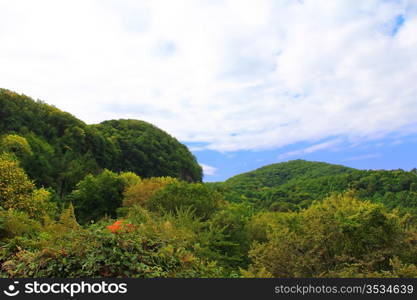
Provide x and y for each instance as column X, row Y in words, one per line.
column 231, row 221
column 148, row 151
column 97, row 196
column 204, row 200
column 18, row 192
column 15, row 144
column 142, row 191
column 334, row 236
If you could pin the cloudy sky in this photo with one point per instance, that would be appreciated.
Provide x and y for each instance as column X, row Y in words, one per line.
column 242, row 83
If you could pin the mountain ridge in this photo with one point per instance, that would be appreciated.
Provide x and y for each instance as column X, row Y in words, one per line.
column 64, row 149
column 295, row 184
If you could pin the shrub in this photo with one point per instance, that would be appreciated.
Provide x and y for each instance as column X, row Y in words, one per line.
column 97, row 196
column 204, row 200
column 97, row 252
column 333, row 236
column 18, row 192
column 142, row 191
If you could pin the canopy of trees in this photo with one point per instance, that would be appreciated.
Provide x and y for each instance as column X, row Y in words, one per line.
column 148, row 151
column 294, row 185
column 57, row 150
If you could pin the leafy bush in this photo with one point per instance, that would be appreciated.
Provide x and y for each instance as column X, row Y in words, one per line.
column 204, row 200
column 329, row 237
column 16, row 144
column 97, row 196
column 18, row 192
column 14, row 223
column 232, row 245
column 141, row 192
column 132, row 250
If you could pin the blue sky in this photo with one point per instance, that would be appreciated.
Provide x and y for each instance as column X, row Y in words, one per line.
column 243, row 83
column 387, row 153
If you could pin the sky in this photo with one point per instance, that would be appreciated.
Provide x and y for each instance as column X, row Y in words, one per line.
column 241, row 83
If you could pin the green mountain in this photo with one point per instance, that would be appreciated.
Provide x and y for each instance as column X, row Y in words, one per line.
column 62, row 149
column 148, row 151
column 281, row 173
column 296, row 184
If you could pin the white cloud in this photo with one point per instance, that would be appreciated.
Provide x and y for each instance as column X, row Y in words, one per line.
column 396, row 142
column 231, row 74
column 363, row 157
column 208, row 170
column 310, row 149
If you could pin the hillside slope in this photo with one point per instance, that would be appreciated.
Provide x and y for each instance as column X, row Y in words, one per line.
column 280, row 173
column 296, row 184
column 63, row 149
column 148, row 151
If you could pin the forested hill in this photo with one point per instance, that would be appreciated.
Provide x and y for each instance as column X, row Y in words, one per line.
column 57, row 150
column 296, row 184
column 277, row 174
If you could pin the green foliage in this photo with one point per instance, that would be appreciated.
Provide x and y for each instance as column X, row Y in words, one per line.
column 18, row 192
column 16, row 144
column 15, row 186
column 16, row 223
column 204, row 200
column 231, row 249
column 150, row 246
column 281, row 173
column 148, row 151
column 129, row 178
column 103, row 254
column 97, row 196
column 332, row 237
column 294, row 185
column 264, row 223
column 137, row 212
column 57, row 150
column 141, row 192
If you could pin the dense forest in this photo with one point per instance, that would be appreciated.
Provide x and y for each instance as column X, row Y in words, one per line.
column 124, row 199
column 295, row 185
column 57, row 150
